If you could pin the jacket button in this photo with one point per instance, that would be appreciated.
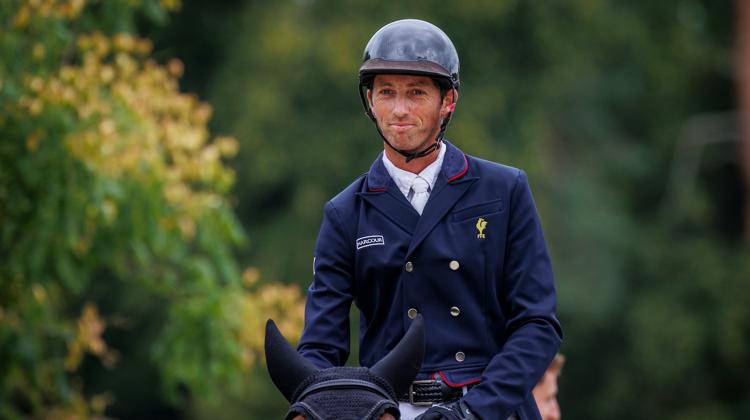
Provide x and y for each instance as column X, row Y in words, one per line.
column 455, row 311
column 409, row 267
column 460, row 356
column 454, row 265
column 412, row 313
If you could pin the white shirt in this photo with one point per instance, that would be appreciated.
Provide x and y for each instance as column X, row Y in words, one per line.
column 405, row 179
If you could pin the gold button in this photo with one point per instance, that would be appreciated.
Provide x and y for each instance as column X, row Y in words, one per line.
column 455, row 311
column 412, row 313
column 409, row 267
column 460, row 356
column 454, row 265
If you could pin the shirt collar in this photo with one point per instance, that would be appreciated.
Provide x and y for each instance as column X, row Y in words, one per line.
column 404, row 179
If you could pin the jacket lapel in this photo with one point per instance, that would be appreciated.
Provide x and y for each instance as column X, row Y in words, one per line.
column 452, row 183
column 382, row 193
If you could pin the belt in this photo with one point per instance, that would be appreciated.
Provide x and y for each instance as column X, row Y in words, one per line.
column 428, row 392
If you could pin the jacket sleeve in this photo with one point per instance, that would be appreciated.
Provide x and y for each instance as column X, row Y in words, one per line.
column 325, row 338
column 529, row 303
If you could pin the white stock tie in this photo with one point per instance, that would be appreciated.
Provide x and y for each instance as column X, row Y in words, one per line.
column 419, row 193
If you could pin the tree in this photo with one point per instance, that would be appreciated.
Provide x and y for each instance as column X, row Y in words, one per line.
column 117, row 232
column 589, row 97
column 743, row 44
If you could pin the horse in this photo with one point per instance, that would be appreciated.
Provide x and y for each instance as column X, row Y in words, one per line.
column 344, row 393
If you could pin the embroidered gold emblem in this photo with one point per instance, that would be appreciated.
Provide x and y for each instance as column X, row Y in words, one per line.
column 481, row 224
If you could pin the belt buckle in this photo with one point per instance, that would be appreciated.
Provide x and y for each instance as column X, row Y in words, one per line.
column 411, row 392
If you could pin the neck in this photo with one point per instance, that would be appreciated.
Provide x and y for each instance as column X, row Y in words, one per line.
column 414, row 166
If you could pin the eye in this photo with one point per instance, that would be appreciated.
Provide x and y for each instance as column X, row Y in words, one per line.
column 417, row 92
column 386, row 91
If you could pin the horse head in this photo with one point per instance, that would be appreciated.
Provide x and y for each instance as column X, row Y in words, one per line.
column 344, row 393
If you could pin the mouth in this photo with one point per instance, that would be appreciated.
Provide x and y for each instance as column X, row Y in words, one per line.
column 401, row 127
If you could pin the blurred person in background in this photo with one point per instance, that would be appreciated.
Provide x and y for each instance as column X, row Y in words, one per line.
column 430, row 230
column 545, row 392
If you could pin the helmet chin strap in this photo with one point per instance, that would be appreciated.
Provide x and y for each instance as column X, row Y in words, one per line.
column 424, row 152
column 411, row 155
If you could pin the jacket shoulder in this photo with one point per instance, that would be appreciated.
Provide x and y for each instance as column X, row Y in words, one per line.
column 345, row 201
column 495, row 172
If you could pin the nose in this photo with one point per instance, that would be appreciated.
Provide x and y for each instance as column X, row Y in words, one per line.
column 401, row 106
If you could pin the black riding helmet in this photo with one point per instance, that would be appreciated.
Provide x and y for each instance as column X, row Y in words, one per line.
column 410, row 46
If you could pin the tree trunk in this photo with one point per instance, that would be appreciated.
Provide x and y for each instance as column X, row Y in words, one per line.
column 743, row 71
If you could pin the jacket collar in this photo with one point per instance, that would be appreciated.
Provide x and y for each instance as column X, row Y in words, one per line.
column 455, row 166
column 451, row 184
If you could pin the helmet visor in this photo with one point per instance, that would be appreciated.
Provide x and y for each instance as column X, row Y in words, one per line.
column 382, row 66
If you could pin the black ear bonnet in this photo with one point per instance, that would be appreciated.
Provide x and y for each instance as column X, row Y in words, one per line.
column 344, row 393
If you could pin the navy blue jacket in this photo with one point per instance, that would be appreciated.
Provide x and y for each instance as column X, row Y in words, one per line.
column 475, row 265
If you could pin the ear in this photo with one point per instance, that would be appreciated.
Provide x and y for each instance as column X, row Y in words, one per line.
column 401, row 365
column 286, row 367
column 449, row 102
column 369, row 101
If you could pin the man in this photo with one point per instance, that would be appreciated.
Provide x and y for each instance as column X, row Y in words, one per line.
column 432, row 231
column 545, row 392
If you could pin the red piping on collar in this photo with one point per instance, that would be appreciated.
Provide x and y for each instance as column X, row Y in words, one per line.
column 375, row 189
column 463, row 172
column 451, row 384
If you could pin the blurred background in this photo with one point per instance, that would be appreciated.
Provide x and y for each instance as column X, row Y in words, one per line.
column 164, row 164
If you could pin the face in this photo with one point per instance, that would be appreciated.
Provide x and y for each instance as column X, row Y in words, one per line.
column 408, row 109
column 545, row 394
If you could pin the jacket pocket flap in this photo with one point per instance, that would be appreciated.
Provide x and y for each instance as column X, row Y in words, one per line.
column 478, row 210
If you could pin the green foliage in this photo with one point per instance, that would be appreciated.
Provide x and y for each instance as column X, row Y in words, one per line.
column 114, row 214
column 590, row 97
column 117, row 243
